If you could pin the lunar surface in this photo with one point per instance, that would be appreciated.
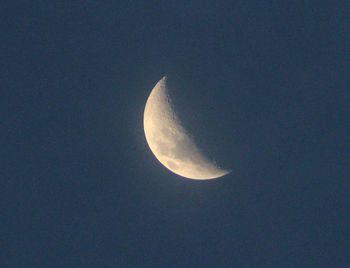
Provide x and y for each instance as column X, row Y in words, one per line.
column 170, row 142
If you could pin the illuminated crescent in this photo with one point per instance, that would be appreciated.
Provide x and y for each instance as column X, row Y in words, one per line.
column 170, row 142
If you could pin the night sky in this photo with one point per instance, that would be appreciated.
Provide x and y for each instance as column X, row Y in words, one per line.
column 263, row 86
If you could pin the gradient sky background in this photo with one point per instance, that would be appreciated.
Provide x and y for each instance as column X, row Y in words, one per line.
column 263, row 85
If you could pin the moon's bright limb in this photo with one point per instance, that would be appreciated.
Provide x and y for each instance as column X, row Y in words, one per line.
column 170, row 142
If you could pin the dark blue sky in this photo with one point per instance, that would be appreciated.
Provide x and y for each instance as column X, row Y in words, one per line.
column 263, row 85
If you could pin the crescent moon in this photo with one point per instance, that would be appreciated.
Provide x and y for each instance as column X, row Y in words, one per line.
column 170, row 142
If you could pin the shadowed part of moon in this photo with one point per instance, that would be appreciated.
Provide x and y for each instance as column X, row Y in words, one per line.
column 170, row 142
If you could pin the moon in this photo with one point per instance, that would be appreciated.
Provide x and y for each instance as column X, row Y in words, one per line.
column 170, row 142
